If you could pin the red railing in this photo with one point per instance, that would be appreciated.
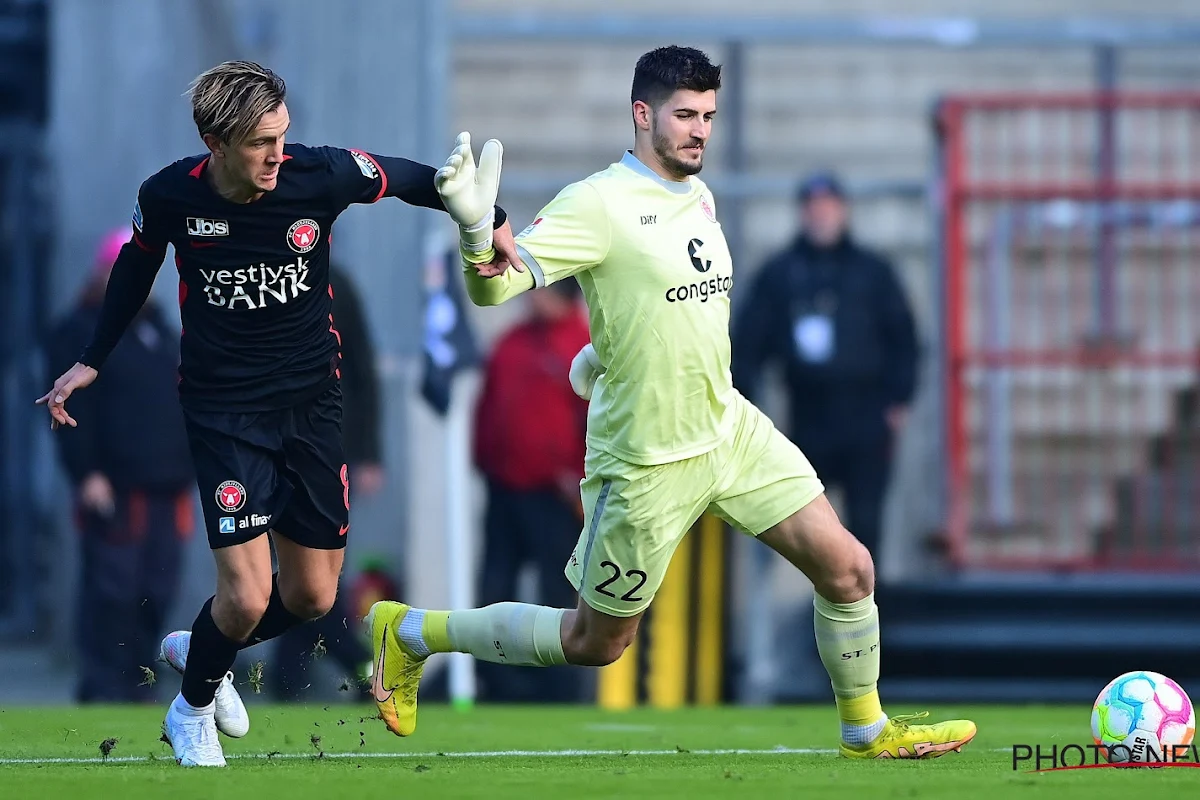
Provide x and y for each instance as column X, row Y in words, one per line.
column 1071, row 244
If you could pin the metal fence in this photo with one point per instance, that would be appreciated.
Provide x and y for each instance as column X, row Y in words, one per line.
column 1072, row 341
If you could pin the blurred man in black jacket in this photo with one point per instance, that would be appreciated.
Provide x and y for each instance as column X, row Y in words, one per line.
column 129, row 463
column 835, row 317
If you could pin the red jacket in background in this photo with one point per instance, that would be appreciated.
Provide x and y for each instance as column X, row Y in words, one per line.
column 529, row 424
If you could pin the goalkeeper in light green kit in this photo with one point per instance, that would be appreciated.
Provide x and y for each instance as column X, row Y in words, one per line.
column 668, row 435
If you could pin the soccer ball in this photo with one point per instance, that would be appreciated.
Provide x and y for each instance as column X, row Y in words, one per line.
column 1140, row 715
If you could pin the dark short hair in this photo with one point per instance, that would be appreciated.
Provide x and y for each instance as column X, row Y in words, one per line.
column 662, row 72
column 824, row 182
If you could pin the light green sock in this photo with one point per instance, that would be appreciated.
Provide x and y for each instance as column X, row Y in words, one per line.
column 504, row 633
column 848, row 641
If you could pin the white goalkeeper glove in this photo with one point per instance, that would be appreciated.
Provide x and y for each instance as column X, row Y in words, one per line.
column 586, row 369
column 469, row 193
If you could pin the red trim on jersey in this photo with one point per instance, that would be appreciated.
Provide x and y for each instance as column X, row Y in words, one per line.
column 382, row 174
column 286, row 157
column 199, row 168
column 331, row 295
column 337, row 372
column 333, row 330
column 138, row 241
column 182, row 292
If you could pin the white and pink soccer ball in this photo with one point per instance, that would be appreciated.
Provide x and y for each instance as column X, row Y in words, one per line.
column 1140, row 716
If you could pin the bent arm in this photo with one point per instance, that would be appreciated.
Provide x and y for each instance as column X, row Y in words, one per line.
column 362, row 177
column 129, row 285
column 501, row 288
column 570, row 235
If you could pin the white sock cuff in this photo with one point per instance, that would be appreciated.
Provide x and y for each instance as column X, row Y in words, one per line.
column 189, row 710
column 857, row 611
column 409, row 631
column 547, row 636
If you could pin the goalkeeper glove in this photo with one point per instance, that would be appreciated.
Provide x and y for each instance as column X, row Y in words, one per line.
column 469, row 194
column 586, row 369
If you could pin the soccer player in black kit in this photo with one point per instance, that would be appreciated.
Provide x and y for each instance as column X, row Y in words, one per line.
column 259, row 371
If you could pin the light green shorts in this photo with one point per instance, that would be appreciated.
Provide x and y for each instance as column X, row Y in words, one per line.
column 635, row 516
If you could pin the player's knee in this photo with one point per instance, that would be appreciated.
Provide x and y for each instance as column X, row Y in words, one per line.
column 308, row 601
column 596, row 650
column 237, row 610
column 851, row 577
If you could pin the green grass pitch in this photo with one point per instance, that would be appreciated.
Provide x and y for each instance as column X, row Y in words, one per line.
column 497, row 752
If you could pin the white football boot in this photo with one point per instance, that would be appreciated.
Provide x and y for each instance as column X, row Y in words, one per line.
column 230, row 715
column 193, row 735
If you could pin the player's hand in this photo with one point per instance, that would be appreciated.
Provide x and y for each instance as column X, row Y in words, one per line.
column 506, row 248
column 506, row 254
column 368, row 478
column 77, row 377
column 586, row 369
column 469, row 191
column 96, row 494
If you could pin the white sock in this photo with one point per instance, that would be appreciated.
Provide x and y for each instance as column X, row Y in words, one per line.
column 863, row 734
column 508, row 633
column 409, row 631
column 189, row 710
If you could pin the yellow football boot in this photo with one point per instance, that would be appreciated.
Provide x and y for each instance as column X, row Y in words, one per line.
column 395, row 670
column 902, row 739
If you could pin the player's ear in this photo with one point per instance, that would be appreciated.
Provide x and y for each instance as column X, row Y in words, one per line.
column 214, row 144
column 642, row 114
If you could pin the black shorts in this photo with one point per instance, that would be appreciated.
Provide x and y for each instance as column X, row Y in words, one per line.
column 273, row 470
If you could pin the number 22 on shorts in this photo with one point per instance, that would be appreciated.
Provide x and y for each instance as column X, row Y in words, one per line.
column 632, row 574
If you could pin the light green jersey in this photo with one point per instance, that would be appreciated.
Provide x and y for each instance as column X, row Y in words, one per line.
column 656, row 273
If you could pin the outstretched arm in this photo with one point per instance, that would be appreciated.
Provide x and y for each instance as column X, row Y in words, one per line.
column 570, row 235
column 129, row 285
column 362, row 177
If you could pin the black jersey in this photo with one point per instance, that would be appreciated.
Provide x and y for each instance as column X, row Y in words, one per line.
column 254, row 294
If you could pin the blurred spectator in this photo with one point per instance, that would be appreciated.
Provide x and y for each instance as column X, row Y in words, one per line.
column 529, row 444
column 336, row 634
column 132, row 474
column 835, row 318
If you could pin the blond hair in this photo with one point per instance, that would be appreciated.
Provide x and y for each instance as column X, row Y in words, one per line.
column 229, row 100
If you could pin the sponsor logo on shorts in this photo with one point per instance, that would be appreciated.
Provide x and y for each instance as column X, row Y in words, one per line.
column 231, row 496
column 235, row 524
column 303, row 235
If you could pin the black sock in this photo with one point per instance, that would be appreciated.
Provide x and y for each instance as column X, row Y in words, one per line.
column 210, row 655
column 275, row 620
